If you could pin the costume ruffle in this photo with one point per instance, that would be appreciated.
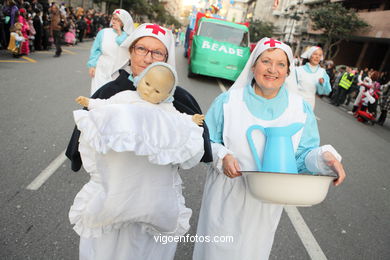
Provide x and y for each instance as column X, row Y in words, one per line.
column 164, row 137
column 85, row 224
column 131, row 152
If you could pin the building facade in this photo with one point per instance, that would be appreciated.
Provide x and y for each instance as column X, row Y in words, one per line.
column 368, row 48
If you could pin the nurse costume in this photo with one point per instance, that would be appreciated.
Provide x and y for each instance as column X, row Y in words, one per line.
column 228, row 208
column 108, row 54
column 303, row 80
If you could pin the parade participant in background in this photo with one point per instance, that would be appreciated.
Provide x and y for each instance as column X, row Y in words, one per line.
column 107, row 53
column 309, row 79
column 135, row 190
column 259, row 97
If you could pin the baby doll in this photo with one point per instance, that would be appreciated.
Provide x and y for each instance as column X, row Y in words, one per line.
column 16, row 38
column 133, row 145
column 156, row 85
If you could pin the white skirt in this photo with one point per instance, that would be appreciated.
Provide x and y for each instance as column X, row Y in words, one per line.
column 228, row 209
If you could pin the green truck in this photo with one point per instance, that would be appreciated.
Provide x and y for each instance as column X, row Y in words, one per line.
column 218, row 48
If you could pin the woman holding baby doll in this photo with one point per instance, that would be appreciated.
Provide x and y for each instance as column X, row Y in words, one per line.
column 258, row 97
column 135, row 190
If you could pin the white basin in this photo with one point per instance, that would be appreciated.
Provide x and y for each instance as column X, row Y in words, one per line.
column 301, row 189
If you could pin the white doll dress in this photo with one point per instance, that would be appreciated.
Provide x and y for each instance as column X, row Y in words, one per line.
column 133, row 153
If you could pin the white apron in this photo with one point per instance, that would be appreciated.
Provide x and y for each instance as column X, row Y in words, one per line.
column 228, row 209
column 305, row 83
column 113, row 58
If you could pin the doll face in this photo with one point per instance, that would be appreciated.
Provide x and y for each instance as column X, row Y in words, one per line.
column 316, row 57
column 156, row 85
column 270, row 72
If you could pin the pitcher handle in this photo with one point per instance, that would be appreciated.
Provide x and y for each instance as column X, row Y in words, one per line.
column 252, row 145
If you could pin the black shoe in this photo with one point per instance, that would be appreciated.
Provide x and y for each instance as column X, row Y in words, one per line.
column 57, row 55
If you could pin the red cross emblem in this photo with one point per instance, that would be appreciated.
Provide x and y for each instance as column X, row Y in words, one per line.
column 156, row 29
column 272, row 42
column 117, row 12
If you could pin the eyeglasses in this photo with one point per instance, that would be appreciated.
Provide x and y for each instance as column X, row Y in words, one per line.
column 156, row 55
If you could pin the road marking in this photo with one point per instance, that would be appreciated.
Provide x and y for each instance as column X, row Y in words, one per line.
column 312, row 247
column 15, row 61
column 29, row 59
column 46, row 173
column 221, row 86
column 68, row 51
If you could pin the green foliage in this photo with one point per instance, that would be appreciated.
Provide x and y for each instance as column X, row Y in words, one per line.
column 336, row 22
column 259, row 29
column 153, row 9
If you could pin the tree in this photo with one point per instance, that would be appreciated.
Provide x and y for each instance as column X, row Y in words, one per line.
column 259, row 29
column 337, row 24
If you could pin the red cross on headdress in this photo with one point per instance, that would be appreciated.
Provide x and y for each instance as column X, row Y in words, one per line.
column 156, row 29
column 272, row 42
column 117, row 12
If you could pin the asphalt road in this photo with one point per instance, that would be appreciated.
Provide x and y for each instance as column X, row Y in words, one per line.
column 37, row 100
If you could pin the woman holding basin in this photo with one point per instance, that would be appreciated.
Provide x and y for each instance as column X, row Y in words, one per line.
column 258, row 97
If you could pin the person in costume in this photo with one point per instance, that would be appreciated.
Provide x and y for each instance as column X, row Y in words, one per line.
column 22, row 18
column 135, row 186
column 310, row 78
column 259, row 96
column 108, row 55
column 16, row 39
column 147, row 44
column 156, row 85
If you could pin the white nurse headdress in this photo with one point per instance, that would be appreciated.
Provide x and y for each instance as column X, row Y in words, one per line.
column 266, row 43
column 158, row 32
column 307, row 54
column 128, row 25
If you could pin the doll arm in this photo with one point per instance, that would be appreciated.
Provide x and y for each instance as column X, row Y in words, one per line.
column 84, row 101
column 198, row 119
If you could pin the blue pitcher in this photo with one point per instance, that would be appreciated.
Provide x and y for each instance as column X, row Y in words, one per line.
column 278, row 155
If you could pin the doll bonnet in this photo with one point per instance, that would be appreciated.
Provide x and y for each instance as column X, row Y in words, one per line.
column 169, row 99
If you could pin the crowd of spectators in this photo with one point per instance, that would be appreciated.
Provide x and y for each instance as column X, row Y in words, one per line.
column 36, row 20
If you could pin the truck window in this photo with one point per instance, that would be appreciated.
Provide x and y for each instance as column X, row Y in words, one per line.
column 223, row 33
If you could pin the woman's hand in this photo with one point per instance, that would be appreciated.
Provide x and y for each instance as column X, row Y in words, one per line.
column 230, row 166
column 84, row 101
column 336, row 166
column 92, row 72
column 321, row 80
